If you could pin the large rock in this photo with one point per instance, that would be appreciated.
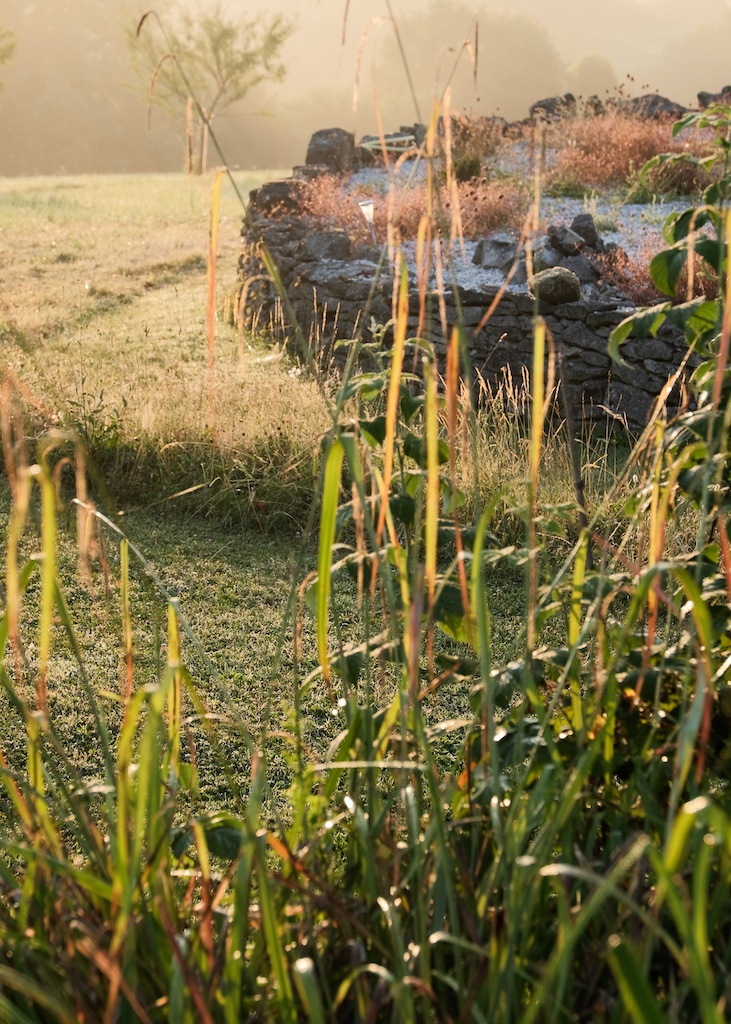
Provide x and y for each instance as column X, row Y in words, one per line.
column 582, row 267
column 326, row 245
column 546, row 256
column 705, row 99
column 277, row 197
column 333, row 148
column 654, row 106
column 495, row 252
column 584, row 226
column 593, row 106
column 309, row 172
column 553, row 107
column 565, row 240
column 556, row 286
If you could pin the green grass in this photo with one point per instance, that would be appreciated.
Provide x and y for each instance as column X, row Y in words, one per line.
column 111, row 339
column 388, row 764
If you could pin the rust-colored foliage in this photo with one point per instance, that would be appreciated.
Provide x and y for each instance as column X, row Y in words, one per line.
column 607, row 151
column 485, row 207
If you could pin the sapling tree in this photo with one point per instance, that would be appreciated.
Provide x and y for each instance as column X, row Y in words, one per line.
column 7, row 47
column 204, row 62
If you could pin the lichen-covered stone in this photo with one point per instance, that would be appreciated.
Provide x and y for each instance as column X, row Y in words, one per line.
column 556, row 286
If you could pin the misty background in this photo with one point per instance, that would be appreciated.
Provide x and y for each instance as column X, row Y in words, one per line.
column 71, row 103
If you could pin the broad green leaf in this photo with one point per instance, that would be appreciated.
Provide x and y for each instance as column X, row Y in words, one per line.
column 667, row 266
column 374, row 430
column 224, row 835
column 403, row 508
column 415, row 448
column 695, row 317
column 645, row 323
column 711, row 250
column 367, row 385
column 410, row 404
column 449, row 613
column 679, row 225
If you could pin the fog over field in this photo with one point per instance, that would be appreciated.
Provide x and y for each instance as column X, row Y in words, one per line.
column 69, row 101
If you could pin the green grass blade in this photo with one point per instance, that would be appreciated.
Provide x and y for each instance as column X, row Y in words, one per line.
column 34, row 993
column 574, row 633
column 308, row 990
column 330, row 500
column 274, row 940
column 637, row 996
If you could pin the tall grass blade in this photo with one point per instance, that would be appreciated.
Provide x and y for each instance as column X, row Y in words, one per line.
column 394, row 391
column 211, row 304
column 330, row 500
column 274, row 940
column 308, row 990
column 634, row 989
column 433, row 481
column 536, row 444
column 574, row 634
column 126, row 619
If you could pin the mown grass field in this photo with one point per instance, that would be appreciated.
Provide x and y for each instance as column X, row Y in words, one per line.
column 103, row 319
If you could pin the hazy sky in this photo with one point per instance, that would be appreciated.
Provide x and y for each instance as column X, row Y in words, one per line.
column 67, row 102
column 575, row 27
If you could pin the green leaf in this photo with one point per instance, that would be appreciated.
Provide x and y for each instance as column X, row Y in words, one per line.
column 349, row 667
column 451, row 500
column 645, row 323
column 684, row 122
column 374, row 430
column 695, row 317
column 678, row 225
column 412, row 480
column 449, row 613
column 410, row 404
column 403, row 508
column 710, row 250
column 224, row 835
column 367, row 385
column 330, row 495
column 415, row 448
column 667, row 266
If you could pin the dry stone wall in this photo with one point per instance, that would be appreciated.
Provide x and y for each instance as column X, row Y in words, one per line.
column 335, row 292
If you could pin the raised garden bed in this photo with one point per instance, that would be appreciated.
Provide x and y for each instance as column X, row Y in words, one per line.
column 338, row 283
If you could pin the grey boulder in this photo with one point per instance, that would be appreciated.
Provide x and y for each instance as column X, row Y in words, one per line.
column 546, row 256
column 553, row 107
column 326, row 245
column 495, row 252
column 653, row 105
column 565, row 240
column 705, row 99
column 333, row 148
column 556, row 286
column 584, row 226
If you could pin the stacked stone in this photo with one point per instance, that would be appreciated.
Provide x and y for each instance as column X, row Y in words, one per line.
column 334, row 293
